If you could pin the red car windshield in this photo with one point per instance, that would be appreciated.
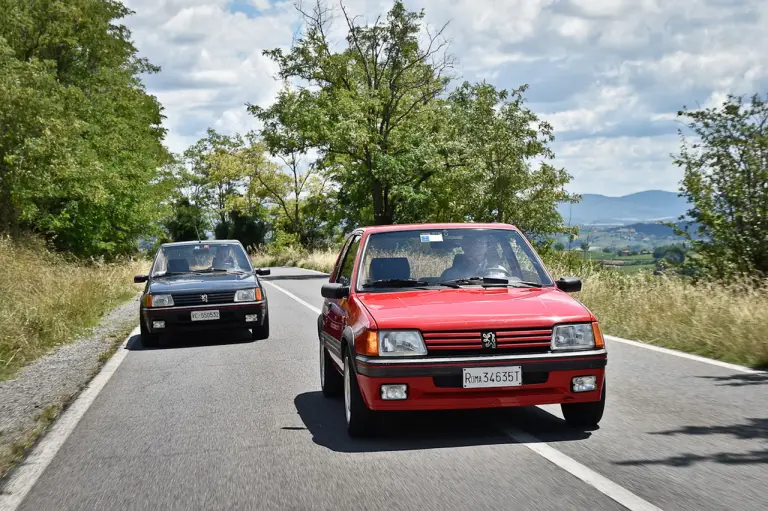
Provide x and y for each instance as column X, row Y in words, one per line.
column 450, row 254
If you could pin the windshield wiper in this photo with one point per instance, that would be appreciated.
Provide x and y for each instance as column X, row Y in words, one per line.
column 170, row 273
column 490, row 282
column 396, row 283
column 219, row 270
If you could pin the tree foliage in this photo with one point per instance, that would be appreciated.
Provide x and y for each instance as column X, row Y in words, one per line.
column 394, row 144
column 726, row 183
column 82, row 140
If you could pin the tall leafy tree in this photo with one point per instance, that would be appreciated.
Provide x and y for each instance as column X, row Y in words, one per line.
column 79, row 161
column 726, row 183
column 367, row 100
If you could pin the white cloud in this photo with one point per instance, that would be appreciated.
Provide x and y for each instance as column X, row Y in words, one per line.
column 608, row 74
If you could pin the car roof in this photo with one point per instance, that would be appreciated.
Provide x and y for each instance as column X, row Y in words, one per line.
column 435, row 226
column 201, row 242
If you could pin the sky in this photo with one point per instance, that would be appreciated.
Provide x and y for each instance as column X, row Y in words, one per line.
column 609, row 75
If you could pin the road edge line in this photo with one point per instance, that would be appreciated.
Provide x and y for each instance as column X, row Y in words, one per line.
column 682, row 354
column 612, row 490
column 29, row 471
column 291, row 295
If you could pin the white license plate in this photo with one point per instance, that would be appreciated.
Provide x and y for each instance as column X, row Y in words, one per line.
column 204, row 315
column 484, row 377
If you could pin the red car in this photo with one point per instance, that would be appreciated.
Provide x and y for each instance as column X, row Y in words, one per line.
column 455, row 316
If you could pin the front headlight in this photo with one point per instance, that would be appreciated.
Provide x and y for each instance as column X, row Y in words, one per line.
column 161, row 301
column 245, row 295
column 401, row 343
column 573, row 337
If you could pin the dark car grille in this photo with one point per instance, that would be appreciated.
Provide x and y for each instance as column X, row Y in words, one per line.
column 469, row 342
column 197, row 298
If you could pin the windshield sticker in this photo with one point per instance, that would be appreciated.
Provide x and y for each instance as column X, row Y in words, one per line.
column 427, row 238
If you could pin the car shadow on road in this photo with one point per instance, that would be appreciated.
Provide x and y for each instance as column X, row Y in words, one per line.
column 740, row 379
column 403, row 431
column 753, row 429
column 193, row 340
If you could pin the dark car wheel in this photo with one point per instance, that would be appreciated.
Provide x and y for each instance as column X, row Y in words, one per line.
column 584, row 415
column 331, row 382
column 261, row 331
column 148, row 339
column 359, row 416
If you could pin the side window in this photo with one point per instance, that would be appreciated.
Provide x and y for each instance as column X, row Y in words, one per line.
column 348, row 263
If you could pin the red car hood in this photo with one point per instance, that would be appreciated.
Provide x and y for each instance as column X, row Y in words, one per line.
column 474, row 308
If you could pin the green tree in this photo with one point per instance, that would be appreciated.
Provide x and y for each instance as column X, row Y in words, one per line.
column 486, row 143
column 559, row 246
column 82, row 140
column 368, row 103
column 726, row 183
column 187, row 222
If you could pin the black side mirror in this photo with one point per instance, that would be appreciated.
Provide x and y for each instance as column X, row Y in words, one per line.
column 260, row 271
column 569, row 284
column 334, row 290
column 138, row 279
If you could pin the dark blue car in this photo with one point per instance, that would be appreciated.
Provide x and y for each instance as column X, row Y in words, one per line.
column 202, row 285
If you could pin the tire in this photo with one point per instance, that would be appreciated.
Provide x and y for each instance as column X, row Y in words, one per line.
column 331, row 382
column 261, row 332
column 359, row 417
column 148, row 340
column 584, row 415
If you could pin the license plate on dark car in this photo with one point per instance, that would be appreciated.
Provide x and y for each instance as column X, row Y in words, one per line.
column 205, row 315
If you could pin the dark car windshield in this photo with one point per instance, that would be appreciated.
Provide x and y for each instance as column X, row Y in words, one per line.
column 463, row 257
column 201, row 258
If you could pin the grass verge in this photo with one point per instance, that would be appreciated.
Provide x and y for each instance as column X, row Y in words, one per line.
column 11, row 454
column 725, row 322
column 49, row 299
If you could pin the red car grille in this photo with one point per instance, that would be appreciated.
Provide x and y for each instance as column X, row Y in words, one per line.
column 531, row 340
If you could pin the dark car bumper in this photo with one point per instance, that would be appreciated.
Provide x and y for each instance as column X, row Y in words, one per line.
column 179, row 319
column 436, row 383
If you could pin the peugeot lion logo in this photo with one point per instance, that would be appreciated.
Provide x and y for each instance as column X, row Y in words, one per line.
column 204, row 298
column 489, row 340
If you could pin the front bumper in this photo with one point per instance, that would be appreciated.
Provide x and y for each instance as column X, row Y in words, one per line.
column 179, row 319
column 436, row 383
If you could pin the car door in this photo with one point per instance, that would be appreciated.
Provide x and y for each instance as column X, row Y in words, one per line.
column 335, row 310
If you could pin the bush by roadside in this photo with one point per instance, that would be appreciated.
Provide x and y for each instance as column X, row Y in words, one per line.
column 48, row 299
column 709, row 319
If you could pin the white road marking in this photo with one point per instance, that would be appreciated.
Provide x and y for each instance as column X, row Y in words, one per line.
column 589, row 476
column 27, row 474
column 602, row 484
column 285, row 291
column 681, row 354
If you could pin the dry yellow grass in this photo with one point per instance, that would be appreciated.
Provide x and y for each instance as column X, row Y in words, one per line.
column 321, row 260
column 710, row 319
column 48, row 300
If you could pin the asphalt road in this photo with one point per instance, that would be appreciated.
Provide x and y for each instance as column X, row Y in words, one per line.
column 226, row 423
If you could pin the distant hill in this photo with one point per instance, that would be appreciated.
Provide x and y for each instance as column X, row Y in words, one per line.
column 648, row 206
column 656, row 230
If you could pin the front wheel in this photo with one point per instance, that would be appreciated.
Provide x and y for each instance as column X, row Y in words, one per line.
column 261, row 332
column 584, row 415
column 359, row 416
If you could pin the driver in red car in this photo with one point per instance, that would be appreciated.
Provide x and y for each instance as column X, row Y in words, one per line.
column 479, row 258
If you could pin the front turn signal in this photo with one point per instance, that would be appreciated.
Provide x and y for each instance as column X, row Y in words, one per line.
column 599, row 340
column 367, row 344
column 147, row 300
